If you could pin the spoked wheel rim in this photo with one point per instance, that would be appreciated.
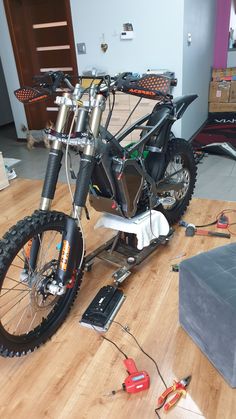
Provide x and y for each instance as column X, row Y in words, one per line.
column 178, row 172
column 25, row 302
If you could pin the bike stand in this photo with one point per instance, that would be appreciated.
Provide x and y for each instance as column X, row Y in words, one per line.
column 121, row 251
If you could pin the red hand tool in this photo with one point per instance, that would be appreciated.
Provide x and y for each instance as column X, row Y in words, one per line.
column 136, row 380
column 178, row 387
column 191, row 231
column 223, row 221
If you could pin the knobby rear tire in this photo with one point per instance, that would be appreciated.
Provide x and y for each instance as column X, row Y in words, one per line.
column 180, row 148
column 12, row 247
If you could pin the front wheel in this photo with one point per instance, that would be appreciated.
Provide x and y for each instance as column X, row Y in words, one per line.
column 29, row 313
column 181, row 167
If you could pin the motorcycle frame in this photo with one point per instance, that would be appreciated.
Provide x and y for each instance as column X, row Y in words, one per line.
column 87, row 164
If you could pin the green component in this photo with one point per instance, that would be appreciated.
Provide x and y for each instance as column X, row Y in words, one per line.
column 175, row 267
column 135, row 153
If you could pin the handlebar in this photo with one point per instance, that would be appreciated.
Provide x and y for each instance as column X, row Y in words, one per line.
column 106, row 82
column 47, row 84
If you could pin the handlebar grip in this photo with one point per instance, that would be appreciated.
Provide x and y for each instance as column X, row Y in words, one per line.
column 50, row 80
column 57, row 77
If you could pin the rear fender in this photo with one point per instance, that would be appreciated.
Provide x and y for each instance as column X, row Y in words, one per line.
column 182, row 103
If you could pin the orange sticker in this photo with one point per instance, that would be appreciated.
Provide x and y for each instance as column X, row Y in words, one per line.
column 65, row 255
column 142, row 92
column 27, row 248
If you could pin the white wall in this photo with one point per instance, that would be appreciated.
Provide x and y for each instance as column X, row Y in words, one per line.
column 9, row 68
column 158, row 28
column 158, row 34
column 231, row 61
column 158, row 43
column 199, row 20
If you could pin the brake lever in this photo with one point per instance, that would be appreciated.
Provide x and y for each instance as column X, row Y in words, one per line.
column 68, row 83
column 49, row 81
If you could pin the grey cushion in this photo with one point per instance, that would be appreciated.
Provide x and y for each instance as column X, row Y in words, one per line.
column 207, row 306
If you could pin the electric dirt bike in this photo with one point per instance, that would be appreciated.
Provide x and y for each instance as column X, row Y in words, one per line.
column 42, row 256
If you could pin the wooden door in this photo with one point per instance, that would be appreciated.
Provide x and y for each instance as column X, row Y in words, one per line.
column 42, row 38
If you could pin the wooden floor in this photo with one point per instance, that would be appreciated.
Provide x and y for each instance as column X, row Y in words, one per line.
column 70, row 376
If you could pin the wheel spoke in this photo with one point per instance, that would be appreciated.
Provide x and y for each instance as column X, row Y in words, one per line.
column 17, row 314
column 17, row 266
column 43, row 255
column 32, row 321
column 18, row 282
column 18, row 302
column 21, row 317
column 20, row 258
column 10, row 289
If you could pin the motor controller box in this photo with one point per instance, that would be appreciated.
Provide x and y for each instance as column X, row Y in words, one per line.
column 103, row 308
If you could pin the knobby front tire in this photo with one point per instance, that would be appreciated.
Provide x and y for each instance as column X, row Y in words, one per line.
column 29, row 314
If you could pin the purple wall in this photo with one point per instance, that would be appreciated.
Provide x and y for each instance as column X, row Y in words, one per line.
column 222, row 33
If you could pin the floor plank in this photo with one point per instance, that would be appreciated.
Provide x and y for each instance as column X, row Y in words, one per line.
column 70, row 376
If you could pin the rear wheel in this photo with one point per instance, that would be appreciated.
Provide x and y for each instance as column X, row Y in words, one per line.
column 29, row 313
column 180, row 166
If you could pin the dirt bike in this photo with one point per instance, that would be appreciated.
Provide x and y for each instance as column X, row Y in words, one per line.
column 42, row 256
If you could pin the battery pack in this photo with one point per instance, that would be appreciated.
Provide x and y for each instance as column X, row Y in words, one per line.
column 103, row 308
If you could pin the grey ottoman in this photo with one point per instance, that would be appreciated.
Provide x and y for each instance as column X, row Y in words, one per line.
column 207, row 306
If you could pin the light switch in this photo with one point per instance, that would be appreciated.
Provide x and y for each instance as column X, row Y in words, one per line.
column 189, row 38
column 81, row 48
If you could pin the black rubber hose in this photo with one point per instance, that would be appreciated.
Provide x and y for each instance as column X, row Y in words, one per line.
column 83, row 179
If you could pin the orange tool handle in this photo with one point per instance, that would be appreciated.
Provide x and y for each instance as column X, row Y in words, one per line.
column 130, row 365
column 165, row 394
column 173, row 401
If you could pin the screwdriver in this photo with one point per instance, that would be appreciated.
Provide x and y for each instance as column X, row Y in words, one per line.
column 114, row 392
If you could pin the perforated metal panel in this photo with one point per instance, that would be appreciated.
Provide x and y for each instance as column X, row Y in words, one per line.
column 150, row 86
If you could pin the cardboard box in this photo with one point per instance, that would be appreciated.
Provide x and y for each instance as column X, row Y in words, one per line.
column 219, row 74
column 219, row 91
column 3, row 177
column 222, row 107
column 232, row 94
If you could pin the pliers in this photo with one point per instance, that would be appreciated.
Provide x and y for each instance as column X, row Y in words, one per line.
column 179, row 387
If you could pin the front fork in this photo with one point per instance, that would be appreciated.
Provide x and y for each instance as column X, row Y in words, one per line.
column 69, row 252
column 50, row 181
